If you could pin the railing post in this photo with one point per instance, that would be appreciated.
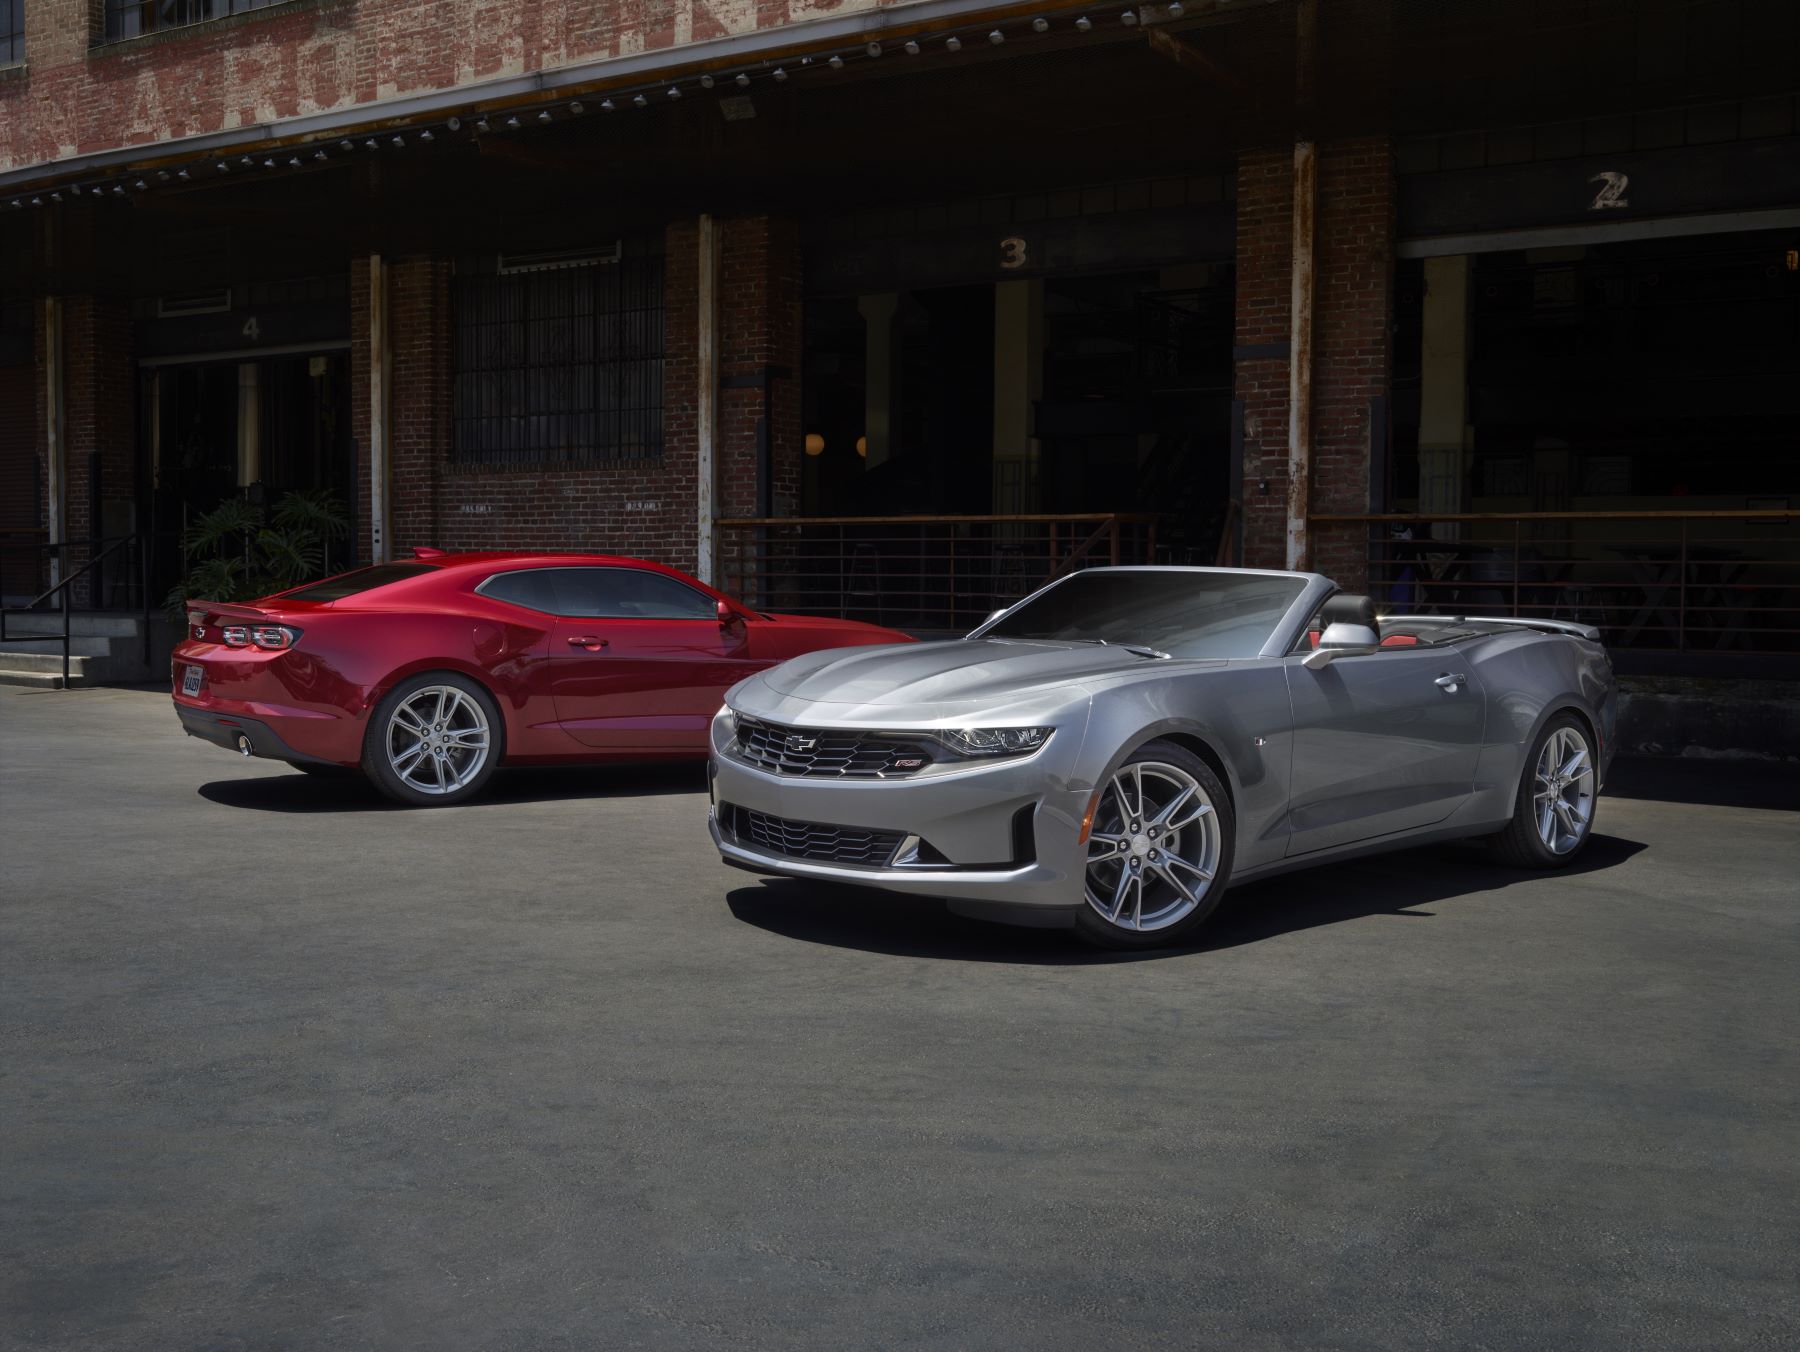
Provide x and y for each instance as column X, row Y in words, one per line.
column 1681, row 583
column 1516, row 565
column 1113, row 541
column 65, row 634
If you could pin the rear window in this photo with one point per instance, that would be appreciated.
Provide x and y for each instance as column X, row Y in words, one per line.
column 362, row 580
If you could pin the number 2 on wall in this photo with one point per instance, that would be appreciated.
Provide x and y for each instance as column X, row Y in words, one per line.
column 1612, row 193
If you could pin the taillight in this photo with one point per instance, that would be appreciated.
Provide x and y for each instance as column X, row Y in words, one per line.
column 268, row 636
column 274, row 636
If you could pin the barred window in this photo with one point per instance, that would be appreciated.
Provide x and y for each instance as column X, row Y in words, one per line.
column 12, row 32
column 559, row 357
column 133, row 18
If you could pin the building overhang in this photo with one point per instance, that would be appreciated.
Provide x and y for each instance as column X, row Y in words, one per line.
column 733, row 53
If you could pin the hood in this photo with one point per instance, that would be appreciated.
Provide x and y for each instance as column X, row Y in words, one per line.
column 959, row 671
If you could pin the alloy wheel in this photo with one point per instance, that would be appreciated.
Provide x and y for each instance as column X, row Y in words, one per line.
column 1563, row 791
column 437, row 739
column 1154, row 848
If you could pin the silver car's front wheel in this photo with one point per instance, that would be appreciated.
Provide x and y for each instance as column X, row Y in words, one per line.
column 1155, row 851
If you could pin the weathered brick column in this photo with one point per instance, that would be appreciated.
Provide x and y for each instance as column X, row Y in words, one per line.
column 1352, row 341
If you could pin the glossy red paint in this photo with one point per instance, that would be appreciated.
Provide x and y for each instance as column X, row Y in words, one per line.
column 569, row 687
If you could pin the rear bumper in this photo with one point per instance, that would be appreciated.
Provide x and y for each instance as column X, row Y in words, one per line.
column 244, row 694
column 990, row 865
column 242, row 734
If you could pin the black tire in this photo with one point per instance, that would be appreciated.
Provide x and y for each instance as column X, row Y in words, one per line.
column 1209, row 848
column 1527, row 842
column 379, row 738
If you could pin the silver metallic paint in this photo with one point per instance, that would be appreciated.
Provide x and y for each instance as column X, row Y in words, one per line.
column 1369, row 753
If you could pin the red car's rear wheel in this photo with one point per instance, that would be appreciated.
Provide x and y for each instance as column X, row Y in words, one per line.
column 433, row 740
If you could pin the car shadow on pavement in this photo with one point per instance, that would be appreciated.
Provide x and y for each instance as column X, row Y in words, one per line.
column 350, row 792
column 1388, row 885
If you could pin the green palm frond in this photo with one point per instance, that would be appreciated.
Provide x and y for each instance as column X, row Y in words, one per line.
column 316, row 510
column 223, row 527
column 291, row 556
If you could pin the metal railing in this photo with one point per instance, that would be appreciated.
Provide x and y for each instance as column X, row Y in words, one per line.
column 63, row 590
column 1718, row 580
column 917, row 572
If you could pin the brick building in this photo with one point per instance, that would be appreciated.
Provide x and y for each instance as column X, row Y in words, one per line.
column 710, row 283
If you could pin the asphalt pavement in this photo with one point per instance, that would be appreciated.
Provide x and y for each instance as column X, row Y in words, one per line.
column 284, row 1067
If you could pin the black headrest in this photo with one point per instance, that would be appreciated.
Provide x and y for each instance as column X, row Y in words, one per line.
column 1347, row 609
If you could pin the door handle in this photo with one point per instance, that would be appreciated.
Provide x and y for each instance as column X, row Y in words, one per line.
column 588, row 641
column 1451, row 684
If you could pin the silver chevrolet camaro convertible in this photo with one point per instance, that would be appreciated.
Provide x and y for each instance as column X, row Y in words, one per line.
column 1116, row 749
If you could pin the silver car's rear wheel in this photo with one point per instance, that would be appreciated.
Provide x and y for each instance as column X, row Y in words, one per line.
column 1153, row 854
column 1563, row 790
column 1553, row 817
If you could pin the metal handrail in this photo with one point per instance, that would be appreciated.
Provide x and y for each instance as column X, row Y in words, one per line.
column 63, row 587
column 1688, row 582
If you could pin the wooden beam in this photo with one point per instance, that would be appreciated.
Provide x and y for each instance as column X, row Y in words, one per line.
column 1190, row 57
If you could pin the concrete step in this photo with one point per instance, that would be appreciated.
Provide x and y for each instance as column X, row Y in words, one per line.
column 85, row 669
column 83, row 644
column 90, row 624
column 45, row 673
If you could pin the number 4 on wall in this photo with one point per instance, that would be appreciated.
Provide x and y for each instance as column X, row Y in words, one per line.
column 252, row 330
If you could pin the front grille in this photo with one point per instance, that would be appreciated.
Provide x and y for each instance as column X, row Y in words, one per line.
column 812, row 840
column 829, row 753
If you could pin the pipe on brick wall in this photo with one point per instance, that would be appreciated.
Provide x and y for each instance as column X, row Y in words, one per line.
column 1300, row 356
column 380, row 363
column 56, row 471
column 1300, row 292
column 706, row 433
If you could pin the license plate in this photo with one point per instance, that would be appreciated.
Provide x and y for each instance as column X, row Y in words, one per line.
column 191, row 678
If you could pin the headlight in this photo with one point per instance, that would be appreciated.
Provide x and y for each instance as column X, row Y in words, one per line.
column 994, row 741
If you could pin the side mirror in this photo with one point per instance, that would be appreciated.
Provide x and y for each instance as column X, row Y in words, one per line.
column 1342, row 640
column 728, row 615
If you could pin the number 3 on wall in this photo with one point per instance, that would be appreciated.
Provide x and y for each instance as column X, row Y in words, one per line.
column 1012, row 253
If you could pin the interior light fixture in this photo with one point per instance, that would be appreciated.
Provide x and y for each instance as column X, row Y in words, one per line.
column 1083, row 24
column 836, row 63
column 912, row 48
column 953, row 44
column 815, row 444
column 1040, row 24
column 996, row 37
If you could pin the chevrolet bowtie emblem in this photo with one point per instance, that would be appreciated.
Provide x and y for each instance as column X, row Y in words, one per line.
column 796, row 742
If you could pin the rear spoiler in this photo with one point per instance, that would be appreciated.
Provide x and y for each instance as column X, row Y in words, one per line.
column 1570, row 627
column 235, row 610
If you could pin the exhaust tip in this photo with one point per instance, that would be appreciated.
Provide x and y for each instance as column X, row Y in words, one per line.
column 243, row 745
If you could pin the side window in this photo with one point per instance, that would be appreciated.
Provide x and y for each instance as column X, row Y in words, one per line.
column 533, row 588
column 628, row 593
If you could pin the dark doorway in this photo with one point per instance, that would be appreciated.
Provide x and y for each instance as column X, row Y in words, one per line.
column 260, row 427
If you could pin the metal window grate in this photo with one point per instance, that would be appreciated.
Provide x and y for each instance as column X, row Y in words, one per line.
column 561, row 366
column 12, row 32
column 134, row 18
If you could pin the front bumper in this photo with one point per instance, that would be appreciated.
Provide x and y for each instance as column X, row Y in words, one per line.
column 969, row 819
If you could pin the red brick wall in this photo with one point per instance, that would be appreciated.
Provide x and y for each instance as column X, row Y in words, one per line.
column 646, row 510
column 99, row 407
column 318, row 55
column 1352, row 327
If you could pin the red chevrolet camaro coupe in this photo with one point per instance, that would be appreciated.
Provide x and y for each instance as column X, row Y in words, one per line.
column 429, row 673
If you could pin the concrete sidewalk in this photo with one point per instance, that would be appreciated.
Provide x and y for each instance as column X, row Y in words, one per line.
column 287, row 1068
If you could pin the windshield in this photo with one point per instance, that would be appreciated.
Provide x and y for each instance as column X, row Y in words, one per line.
column 1183, row 614
column 362, row 580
